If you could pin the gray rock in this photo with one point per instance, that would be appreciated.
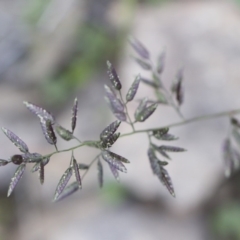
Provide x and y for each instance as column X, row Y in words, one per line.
column 204, row 38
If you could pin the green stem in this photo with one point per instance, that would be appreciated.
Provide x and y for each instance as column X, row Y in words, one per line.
column 66, row 150
column 89, row 166
column 187, row 121
column 181, row 123
column 147, row 131
column 149, row 138
column 56, row 147
column 77, row 139
column 128, row 116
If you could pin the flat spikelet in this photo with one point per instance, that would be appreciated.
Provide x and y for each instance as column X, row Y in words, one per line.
column 110, row 141
column 146, row 112
column 3, row 162
column 115, row 104
column 171, row 149
column 140, row 49
column 63, row 182
column 48, row 131
column 114, row 160
column 41, row 172
column 37, row 166
column 177, row 86
column 112, row 74
column 74, row 114
column 133, row 89
column 77, row 173
column 142, row 105
column 166, row 180
column 64, row 133
column 161, row 62
column 72, row 188
column 83, row 166
column 15, row 179
column 18, row 142
column 110, row 130
column 153, row 161
column 39, row 112
column 143, row 63
column 114, row 171
column 100, row 173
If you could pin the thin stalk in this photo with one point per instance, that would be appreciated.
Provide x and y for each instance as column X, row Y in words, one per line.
column 181, row 123
column 147, row 131
column 89, row 166
column 167, row 93
column 187, row 121
column 65, row 150
column 77, row 139
column 172, row 103
column 128, row 116
column 56, row 147
column 149, row 138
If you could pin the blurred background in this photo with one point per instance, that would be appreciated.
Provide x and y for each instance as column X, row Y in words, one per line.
column 52, row 51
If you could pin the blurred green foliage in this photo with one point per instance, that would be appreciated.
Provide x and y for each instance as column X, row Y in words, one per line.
column 6, row 210
column 93, row 47
column 35, row 9
column 237, row 1
column 226, row 221
column 150, row 2
column 7, row 216
column 114, row 193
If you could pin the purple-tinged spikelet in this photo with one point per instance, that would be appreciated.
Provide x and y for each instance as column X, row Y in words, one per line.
column 15, row 179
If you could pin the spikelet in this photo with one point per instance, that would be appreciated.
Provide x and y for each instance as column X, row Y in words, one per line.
column 16, row 140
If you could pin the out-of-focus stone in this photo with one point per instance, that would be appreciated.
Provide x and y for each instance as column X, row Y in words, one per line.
column 204, row 38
